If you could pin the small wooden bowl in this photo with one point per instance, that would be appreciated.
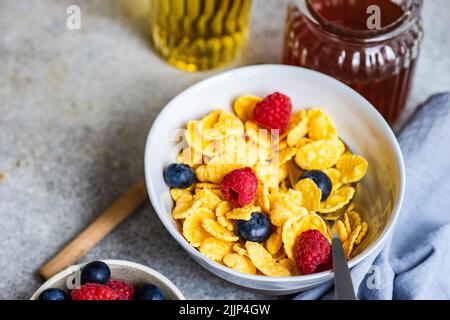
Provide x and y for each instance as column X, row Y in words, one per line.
column 133, row 273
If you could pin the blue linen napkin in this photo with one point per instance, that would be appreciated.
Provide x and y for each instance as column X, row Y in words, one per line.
column 415, row 262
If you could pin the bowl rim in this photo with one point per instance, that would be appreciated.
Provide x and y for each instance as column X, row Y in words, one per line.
column 110, row 262
column 364, row 103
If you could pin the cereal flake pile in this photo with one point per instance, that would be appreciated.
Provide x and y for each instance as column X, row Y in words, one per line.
column 252, row 189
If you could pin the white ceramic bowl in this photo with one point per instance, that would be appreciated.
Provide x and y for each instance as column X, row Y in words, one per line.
column 358, row 123
column 133, row 273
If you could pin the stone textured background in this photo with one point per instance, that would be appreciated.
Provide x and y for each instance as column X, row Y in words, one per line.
column 75, row 109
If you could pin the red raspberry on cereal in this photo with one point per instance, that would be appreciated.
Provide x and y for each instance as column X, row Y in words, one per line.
column 93, row 291
column 312, row 252
column 273, row 112
column 123, row 290
column 240, row 186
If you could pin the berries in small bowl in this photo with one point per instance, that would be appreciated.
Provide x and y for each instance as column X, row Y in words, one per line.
column 53, row 294
column 149, row 292
column 322, row 181
column 126, row 280
column 95, row 272
column 179, row 176
column 257, row 229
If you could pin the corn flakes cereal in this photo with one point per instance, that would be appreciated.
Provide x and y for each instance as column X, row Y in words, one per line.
column 264, row 262
column 182, row 205
column 263, row 197
column 337, row 200
column 274, row 243
column 335, row 177
column 217, row 231
column 297, row 133
column 320, row 154
column 299, row 224
column 192, row 226
column 239, row 249
column 200, row 173
column 261, row 137
column 190, row 157
column 221, row 142
column 244, row 106
column 224, row 222
column 352, row 167
column 362, row 234
column 215, row 172
column 311, row 194
column 244, row 213
column 196, row 141
column 354, row 218
column 320, row 125
column 342, row 231
column 215, row 249
column 348, row 245
column 209, row 198
column 239, row 263
column 223, row 208
column 178, row 193
column 284, row 156
column 290, row 265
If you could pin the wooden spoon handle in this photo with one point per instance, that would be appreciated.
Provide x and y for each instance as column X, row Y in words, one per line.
column 96, row 231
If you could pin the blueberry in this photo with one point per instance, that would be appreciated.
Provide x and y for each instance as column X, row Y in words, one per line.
column 95, row 272
column 149, row 292
column 179, row 176
column 322, row 181
column 257, row 229
column 53, row 294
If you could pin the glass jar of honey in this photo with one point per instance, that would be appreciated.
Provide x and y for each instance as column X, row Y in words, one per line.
column 371, row 45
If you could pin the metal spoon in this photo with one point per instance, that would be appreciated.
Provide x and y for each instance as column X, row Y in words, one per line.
column 343, row 284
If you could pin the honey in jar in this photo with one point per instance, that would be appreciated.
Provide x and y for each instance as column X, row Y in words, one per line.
column 371, row 45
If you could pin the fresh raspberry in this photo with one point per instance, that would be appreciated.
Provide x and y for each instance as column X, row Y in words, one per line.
column 123, row 290
column 312, row 252
column 273, row 112
column 240, row 186
column 93, row 291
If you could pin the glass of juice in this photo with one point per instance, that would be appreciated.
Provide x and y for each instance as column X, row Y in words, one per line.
column 199, row 35
column 371, row 45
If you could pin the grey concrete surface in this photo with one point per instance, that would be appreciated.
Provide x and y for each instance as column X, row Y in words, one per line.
column 75, row 109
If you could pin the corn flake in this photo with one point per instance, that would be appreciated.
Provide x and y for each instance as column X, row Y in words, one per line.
column 362, row 234
column 195, row 140
column 349, row 244
column 335, row 177
column 244, row 213
column 290, row 265
column 215, row 249
column 337, row 200
column 264, row 262
column 223, row 208
column 342, row 231
column 244, row 106
column 239, row 263
column 297, row 133
column 192, row 226
column 320, row 125
column 352, row 167
column 239, row 249
column 320, row 154
column 311, row 194
column 217, row 231
column 224, row 222
column 274, row 243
